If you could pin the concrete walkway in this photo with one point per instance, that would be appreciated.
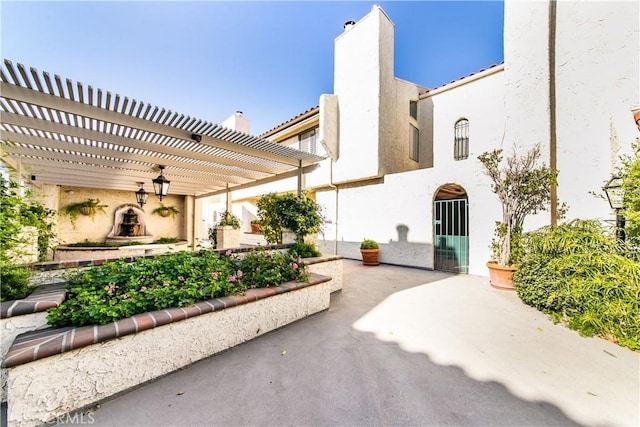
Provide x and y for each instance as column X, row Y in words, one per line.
column 401, row 347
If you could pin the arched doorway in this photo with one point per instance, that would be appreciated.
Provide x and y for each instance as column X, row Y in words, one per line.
column 451, row 229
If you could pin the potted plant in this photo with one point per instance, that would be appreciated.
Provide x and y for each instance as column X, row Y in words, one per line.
column 165, row 211
column 369, row 249
column 523, row 188
column 89, row 207
column 255, row 225
column 228, row 231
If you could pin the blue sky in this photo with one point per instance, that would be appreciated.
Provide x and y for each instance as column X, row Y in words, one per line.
column 271, row 60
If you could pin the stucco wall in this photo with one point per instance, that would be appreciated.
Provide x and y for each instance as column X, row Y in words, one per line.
column 406, row 199
column 357, row 76
column 10, row 328
column 482, row 103
column 597, row 75
column 395, row 130
column 526, row 93
column 331, row 269
column 97, row 230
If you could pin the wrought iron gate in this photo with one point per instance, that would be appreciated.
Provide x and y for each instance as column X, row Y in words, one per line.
column 451, row 235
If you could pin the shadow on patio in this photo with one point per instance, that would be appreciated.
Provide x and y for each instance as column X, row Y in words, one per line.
column 399, row 346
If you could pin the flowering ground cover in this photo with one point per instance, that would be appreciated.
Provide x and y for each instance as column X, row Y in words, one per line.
column 117, row 290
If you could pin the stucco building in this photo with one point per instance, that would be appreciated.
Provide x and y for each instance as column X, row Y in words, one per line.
column 402, row 165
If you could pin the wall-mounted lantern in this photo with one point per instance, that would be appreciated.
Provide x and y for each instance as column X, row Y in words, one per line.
column 615, row 195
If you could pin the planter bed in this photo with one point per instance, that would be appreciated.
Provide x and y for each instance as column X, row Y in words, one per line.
column 52, row 372
column 56, row 371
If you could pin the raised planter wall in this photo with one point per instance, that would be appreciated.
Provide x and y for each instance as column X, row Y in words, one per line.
column 41, row 390
column 227, row 237
column 21, row 316
column 9, row 329
column 330, row 266
column 52, row 372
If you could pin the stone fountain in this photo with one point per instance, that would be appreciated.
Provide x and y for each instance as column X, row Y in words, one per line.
column 129, row 226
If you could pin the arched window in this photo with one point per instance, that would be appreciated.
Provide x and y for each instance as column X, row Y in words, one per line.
column 461, row 142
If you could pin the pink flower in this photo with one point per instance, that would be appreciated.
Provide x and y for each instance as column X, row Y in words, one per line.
column 110, row 288
column 165, row 283
column 232, row 279
column 142, row 289
column 239, row 274
column 228, row 253
column 214, row 274
column 295, row 266
column 299, row 260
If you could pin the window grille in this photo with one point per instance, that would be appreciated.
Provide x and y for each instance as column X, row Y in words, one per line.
column 461, row 140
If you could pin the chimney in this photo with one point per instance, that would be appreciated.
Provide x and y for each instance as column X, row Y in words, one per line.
column 237, row 122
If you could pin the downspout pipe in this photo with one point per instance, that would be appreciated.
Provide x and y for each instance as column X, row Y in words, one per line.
column 553, row 156
column 332, row 185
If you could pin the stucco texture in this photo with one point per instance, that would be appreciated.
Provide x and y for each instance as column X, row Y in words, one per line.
column 10, row 328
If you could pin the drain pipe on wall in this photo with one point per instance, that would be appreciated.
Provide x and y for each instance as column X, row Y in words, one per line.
column 332, row 185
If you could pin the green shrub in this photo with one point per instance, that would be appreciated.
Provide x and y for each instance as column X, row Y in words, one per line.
column 166, row 240
column 369, row 244
column 304, row 250
column 119, row 289
column 277, row 212
column 631, row 184
column 18, row 211
column 579, row 274
column 14, row 282
column 263, row 269
column 213, row 236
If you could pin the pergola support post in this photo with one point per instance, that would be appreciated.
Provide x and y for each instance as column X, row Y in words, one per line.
column 300, row 178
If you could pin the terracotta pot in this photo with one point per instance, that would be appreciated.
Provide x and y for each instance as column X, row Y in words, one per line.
column 255, row 228
column 370, row 256
column 500, row 275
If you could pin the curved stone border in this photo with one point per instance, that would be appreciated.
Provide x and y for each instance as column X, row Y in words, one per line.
column 41, row 299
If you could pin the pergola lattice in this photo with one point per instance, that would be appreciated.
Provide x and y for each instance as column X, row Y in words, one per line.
column 71, row 134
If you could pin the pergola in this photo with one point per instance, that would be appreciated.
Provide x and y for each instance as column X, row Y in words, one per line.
column 65, row 133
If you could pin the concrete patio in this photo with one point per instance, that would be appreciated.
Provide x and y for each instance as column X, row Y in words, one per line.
column 399, row 346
